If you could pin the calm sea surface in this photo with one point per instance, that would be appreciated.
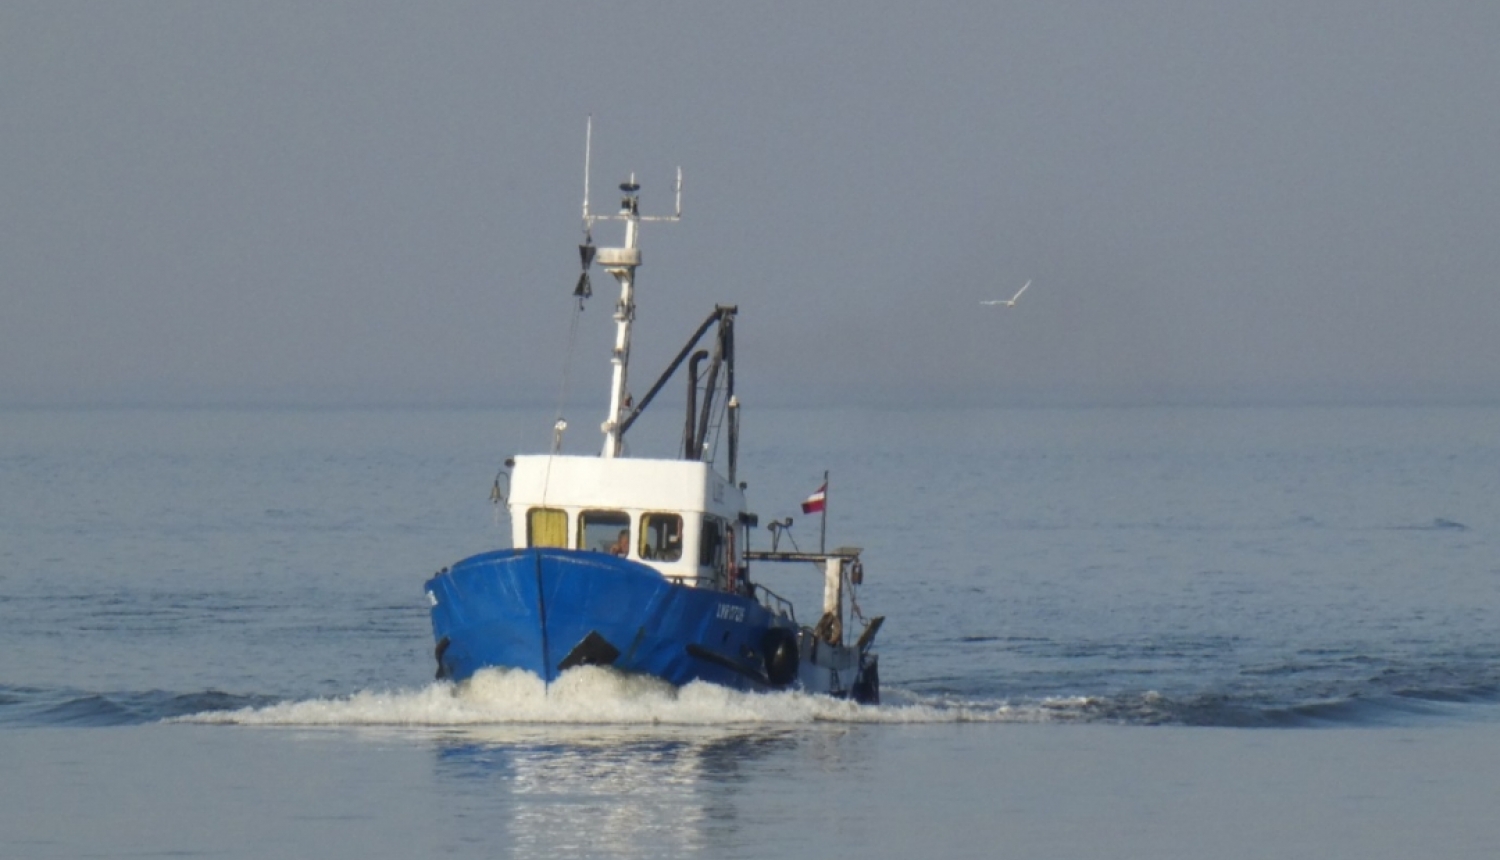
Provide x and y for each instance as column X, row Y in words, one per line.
column 1155, row 632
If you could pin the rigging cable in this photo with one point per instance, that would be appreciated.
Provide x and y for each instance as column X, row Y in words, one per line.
column 716, row 420
column 562, row 395
column 854, row 610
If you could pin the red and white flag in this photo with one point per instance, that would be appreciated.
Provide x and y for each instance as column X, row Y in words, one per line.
column 814, row 502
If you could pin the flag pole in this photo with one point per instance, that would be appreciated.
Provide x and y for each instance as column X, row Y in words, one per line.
column 823, row 525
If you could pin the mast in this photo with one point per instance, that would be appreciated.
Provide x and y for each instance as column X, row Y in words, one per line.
column 622, row 263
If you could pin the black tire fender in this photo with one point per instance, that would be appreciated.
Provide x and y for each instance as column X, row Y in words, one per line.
column 782, row 658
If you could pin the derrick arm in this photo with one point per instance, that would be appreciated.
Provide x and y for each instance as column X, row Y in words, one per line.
column 720, row 313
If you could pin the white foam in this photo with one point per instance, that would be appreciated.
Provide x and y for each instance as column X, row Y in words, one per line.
column 595, row 696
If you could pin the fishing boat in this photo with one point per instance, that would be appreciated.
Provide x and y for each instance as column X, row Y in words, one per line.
column 644, row 564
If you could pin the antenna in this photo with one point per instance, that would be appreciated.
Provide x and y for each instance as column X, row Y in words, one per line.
column 588, row 145
column 621, row 262
column 630, row 188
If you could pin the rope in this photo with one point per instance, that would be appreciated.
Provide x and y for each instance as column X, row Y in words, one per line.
column 855, row 611
column 853, row 601
column 717, row 421
column 567, row 376
column 562, row 396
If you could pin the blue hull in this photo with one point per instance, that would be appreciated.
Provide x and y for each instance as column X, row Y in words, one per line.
column 548, row 610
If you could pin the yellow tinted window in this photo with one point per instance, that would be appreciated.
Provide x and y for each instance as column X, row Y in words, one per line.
column 546, row 527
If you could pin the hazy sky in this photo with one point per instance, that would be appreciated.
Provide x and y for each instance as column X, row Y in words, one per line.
column 379, row 203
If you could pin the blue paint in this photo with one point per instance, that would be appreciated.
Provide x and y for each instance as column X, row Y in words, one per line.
column 529, row 608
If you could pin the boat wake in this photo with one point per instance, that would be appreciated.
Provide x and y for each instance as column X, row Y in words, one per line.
column 592, row 695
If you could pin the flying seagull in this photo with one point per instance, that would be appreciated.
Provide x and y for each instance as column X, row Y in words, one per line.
column 1011, row 302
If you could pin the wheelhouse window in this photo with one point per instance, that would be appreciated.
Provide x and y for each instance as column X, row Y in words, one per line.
column 546, row 527
column 604, row 531
column 661, row 537
column 711, row 547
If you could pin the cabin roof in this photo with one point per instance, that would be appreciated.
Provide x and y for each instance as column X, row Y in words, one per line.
column 621, row 482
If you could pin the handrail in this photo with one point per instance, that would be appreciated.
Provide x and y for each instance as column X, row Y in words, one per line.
column 781, row 607
column 698, row 581
column 845, row 552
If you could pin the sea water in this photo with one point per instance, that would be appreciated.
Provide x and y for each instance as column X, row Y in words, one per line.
column 1165, row 632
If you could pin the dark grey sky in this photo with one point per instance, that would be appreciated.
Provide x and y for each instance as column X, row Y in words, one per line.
column 378, row 202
